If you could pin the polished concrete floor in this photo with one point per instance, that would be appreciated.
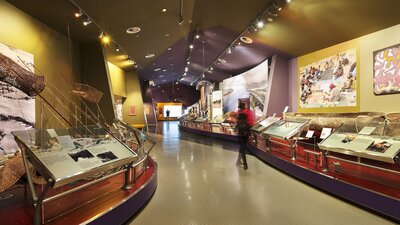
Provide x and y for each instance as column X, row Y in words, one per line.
column 200, row 183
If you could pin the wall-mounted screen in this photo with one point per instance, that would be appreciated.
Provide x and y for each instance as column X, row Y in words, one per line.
column 174, row 110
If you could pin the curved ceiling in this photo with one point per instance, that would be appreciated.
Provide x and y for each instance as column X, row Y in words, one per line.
column 301, row 27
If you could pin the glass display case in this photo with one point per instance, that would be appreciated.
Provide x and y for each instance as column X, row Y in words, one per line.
column 285, row 132
column 67, row 157
column 378, row 141
column 263, row 124
column 218, row 120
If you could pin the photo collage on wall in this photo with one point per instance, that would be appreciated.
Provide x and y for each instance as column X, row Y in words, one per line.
column 387, row 70
column 17, row 109
column 330, row 82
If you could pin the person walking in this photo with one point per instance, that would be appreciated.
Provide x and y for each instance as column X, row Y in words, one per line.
column 244, row 121
column 167, row 112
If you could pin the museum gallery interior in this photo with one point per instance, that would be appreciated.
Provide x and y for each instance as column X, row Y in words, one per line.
column 105, row 105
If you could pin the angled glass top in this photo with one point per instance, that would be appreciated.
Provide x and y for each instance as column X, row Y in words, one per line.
column 63, row 154
column 286, row 129
column 374, row 140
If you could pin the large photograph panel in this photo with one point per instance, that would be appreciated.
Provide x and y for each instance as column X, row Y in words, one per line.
column 250, row 84
column 329, row 82
column 17, row 109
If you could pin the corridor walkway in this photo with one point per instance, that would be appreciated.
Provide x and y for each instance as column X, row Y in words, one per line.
column 200, row 184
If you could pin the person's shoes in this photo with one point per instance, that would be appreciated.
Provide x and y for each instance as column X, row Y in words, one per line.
column 245, row 167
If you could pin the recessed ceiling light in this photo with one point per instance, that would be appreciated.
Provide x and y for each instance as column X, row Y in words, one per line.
column 167, row 35
column 160, row 76
column 133, row 30
column 246, row 39
column 157, row 69
column 191, row 46
column 197, row 36
column 164, row 10
column 164, row 70
column 149, row 55
column 270, row 19
column 169, row 49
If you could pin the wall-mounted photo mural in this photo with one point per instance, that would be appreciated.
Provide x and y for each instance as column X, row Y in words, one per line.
column 387, row 70
column 250, row 84
column 17, row 109
column 329, row 82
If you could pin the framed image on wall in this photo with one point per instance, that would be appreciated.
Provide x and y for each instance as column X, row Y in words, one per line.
column 387, row 70
column 132, row 110
column 330, row 81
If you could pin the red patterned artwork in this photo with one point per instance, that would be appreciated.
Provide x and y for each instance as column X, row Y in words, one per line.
column 387, row 70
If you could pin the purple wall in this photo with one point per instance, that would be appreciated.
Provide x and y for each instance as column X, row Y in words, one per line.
column 293, row 85
column 278, row 93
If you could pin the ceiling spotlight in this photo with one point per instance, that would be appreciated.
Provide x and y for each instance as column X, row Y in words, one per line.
column 164, row 10
column 186, row 69
column 260, row 24
column 191, row 84
column 188, row 62
column 167, row 35
column 169, row 49
column 211, row 68
column 270, row 19
column 130, row 59
column 105, row 39
column 184, row 74
column 229, row 51
column 117, row 48
column 197, row 36
column 157, row 69
column 87, row 22
column 269, row 12
column 191, row 46
column 277, row 7
column 181, row 20
column 78, row 14
column 288, row 1
column 149, row 55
